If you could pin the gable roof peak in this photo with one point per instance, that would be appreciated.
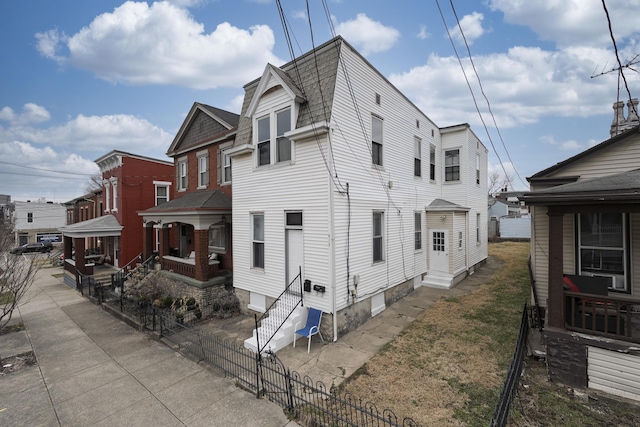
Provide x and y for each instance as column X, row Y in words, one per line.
column 287, row 83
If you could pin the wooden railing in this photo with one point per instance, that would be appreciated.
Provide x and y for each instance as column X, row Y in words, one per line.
column 187, row 267
column 609, row 316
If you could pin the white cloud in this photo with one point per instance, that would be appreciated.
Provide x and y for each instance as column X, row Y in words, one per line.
column 471, row 27
column 32, row 113
column 235, row 105
column 569, row 145
column 423, row 33
column 299, row 14
column 367, row 35
column 163, row 44
column 572, row 22
column 524, row 85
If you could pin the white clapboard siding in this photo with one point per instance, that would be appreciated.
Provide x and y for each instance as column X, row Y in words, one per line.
column 620, row 157
column 635, row 250
column 614, row 372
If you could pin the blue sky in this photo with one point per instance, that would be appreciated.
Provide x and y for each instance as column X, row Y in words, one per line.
column 81, row 78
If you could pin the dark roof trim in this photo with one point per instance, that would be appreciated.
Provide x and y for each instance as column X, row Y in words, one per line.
column 552, row 180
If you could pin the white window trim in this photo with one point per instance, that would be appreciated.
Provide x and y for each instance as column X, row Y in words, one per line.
column 417, row 146
column 107, row 195
column 381, row 143
column 183, row 161
column 223, row 158
column 432, row 148
column 114, row 196
column 382, row 237
column 416, row 231
column 444, row 165
column 273, row 130
column 253, row 241
column 200, row 157
column 478, row 230
column 166, row 184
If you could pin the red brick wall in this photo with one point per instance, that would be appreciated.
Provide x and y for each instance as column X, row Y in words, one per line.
column 136, row 192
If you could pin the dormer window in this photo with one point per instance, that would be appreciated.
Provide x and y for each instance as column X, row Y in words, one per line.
column 280, row 149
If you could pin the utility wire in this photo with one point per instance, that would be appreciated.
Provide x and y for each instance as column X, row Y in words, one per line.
column 470, row 89
column 485, row 96
column 615, row 48
column 46, row 170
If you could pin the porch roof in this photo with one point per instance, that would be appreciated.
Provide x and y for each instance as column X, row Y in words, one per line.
column 440, row 205
column 198, row 200
column 618, row 188
column 102, row 226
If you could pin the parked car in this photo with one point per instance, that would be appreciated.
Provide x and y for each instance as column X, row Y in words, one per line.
column 33, row 247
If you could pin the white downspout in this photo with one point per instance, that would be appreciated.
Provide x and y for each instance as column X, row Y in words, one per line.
column 332, row 241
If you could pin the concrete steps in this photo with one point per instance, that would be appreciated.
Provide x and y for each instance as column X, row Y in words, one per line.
column 284, row 336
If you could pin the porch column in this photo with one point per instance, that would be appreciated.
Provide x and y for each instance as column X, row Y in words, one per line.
column 202, row 254
column 79, row 245
column 165, row 241
column 147, row 239
column 555, row 303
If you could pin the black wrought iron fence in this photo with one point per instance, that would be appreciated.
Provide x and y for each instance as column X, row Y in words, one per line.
column 501, row 412
column 313, row 403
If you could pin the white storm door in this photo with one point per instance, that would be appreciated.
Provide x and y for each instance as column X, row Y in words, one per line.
column 439, row 250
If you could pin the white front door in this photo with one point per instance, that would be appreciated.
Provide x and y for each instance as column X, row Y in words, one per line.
column 439, row 250
column 116, row 250
column 295, row 253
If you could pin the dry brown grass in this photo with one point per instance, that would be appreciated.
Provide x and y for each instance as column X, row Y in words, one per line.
column 448, row 362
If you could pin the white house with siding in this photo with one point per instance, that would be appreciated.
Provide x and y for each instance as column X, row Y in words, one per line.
column 585, row 240
column 339, row 175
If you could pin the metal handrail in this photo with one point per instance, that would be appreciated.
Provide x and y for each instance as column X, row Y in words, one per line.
column 284, row 305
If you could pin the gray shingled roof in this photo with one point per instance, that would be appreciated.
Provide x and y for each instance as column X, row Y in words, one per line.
column 98, row 226
column 618, row 182
column 314, row 78
column 227, row 116
column 441, row 205
column 199, row 200
column 619, row 188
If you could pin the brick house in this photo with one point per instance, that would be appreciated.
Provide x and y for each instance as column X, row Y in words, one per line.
column 193, row 229
column 130, row 183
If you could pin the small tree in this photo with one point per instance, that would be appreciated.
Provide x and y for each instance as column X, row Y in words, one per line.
column 498, row 182
column 17, row 274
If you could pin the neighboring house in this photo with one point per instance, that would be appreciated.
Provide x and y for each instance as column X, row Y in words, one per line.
column 499, row 208
column 38, row 222
column 340, row 176
column 109, row 219
column 84, row 208
column 586, row 223
column 507, row 220
column 197, row 219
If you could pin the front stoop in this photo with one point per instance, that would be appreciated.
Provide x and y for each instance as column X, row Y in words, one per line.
column 283, row 337
column 439, row 280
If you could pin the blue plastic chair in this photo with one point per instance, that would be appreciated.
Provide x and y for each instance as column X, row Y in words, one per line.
column 311, row 328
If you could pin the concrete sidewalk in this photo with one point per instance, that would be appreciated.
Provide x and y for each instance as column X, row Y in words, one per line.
column 93, row 370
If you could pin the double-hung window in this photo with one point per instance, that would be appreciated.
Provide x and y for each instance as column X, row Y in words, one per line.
column 203, row 170
column 376, row 140
column 183, row 178
column 452, row 165
column 257, row 240
column 226, row 174
column 264, row 141
column 29, row 216
column 378, row 236
column 432, row 162
column 417, row 157
column 417, row 230
column 162, row 192
column 280, row 149
column 283, row 124
column 602, row 246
